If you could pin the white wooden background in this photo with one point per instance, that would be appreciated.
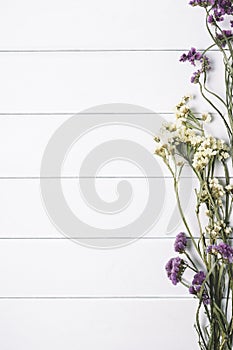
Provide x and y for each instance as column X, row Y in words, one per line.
column 58, row 58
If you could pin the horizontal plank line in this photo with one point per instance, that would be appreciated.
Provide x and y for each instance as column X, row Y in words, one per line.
column 82, row 114
column 94, row 177
column 82, row 177
column 63, row 114
column 93, row 238
column 134, row 239
column 95, row 50
column 87, row 238
column 93, row 297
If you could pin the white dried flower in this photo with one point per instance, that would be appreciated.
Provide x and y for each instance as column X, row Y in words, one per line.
column 206, row 117
column 228, row 230
column 229, row 188
column 184, row 109
column 157, row 139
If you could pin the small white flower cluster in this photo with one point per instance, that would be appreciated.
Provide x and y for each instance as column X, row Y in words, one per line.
column 207, row 149
column 182, row 110
column 183, row 101
column 206, row 117
column 187, row 135
column 188, row 132
column 216, row 191
column 229, row 188
column 184, row 131
column 218, row 227
column 163, row 150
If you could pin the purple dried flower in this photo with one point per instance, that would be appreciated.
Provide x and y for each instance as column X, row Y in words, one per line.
column 194, row 56
column 183, row 58
column 175, row 268
column 195, row 77
column 195, row 288
column 202, row 3
column 180, row 242
column 199, row 278
column 210, row 19
column 219, row 8
column 205, row 63
column 219, row 14
column 205, row 298
column 225, row 250
column 227, row 34
column 212, row 249
column 223, row 7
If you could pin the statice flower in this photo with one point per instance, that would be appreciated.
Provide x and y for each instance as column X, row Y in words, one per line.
column 195, row 288
column 195, row 77
column 229, row 188
column 180, row 242
column 202, row 3
column 206, row 117
column 209, row 148
column 222, row 8
column 194, row 57
column 175, row 268
column 216, row 189
column 225, row 250
column 210, row 19
column 217, row 12
column 219, row 8
column 218, row 228
column 227, row 35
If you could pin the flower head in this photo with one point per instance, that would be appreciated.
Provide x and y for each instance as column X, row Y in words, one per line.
column 175, row 268
column 198, row 278
column 209, row 148
column 194, row 57
column 202, row 3
column 180, row 242
column 206, row 117
column 224, row 37
column 225, row 250
column 195, row 288
column 218, row 8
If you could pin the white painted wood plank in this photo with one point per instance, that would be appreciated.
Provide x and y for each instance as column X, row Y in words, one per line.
column 58, row 268
column 93, row 201
column 26, row 137
column 100, row 140
column 70, row 82
column 97, row 324
column 87, row 24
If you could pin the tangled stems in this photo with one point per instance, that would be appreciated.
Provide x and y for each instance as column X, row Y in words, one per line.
column 211, row 256
column 217, row 11
column 225, row 47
